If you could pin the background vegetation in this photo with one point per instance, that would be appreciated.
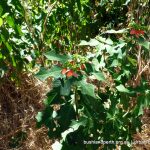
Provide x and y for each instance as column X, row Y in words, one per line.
column 95, row 57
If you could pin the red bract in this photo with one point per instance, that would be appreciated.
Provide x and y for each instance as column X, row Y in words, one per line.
column 64, row 71
column 70, row 73
column 136, row 32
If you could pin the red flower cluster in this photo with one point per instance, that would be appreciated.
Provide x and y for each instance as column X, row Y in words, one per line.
column 136, row 32
column 70, row 72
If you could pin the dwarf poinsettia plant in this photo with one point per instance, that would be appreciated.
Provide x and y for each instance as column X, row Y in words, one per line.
column 73, row 67
column 94, row 97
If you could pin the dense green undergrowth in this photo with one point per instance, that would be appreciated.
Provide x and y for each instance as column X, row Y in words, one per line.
column 97, row 54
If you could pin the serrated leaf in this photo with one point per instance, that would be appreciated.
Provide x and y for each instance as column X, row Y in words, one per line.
column 99, row 76
column 43, row 74
column 65, row 133
column 100, row 47
column 109, row 41
column 92, row 42
column 110, row 50
column 96, row 64
column 121, row 88
column 74, row 126
column 145, row 44
column 56, row 57
column 86, row 88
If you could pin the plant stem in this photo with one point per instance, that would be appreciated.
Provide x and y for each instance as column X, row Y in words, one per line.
column 76, row 103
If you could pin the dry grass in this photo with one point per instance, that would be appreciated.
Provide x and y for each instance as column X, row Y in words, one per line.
column 144, row 135
column 18, row 107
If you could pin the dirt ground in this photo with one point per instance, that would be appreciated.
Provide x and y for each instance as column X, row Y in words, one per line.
column 18, row 108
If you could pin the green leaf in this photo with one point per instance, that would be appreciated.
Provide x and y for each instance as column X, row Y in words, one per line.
column 18, row 29
column 65, row 90
column 53, row 56
column 115, row 63
column 127, row 1
column 110, row 50
column 10, row 21
column 56, row 146
column 109, row 41
column 145, row 44
column 121, row 88
column 8, row 46
column 96, row 64
column 92, row 42
column 132, row 61
column 43, row 74
column 1, row 22
column 74, row 126
column 140, row 109
column 101, row 39
column 50, row 97
column 39, row 116
column 86, row 88
column 99, row 76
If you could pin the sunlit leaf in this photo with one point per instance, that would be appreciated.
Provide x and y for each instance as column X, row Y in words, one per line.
column 56, row 57
column 1, row 22
column 74, row 126
column 121, row 88
column 92, row 42
column 87, row 88
column 39, row 116
column 99, row 76
column 10, row 21
column 43, row 74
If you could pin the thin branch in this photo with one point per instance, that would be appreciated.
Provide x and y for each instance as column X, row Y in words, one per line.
column 45, row 20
